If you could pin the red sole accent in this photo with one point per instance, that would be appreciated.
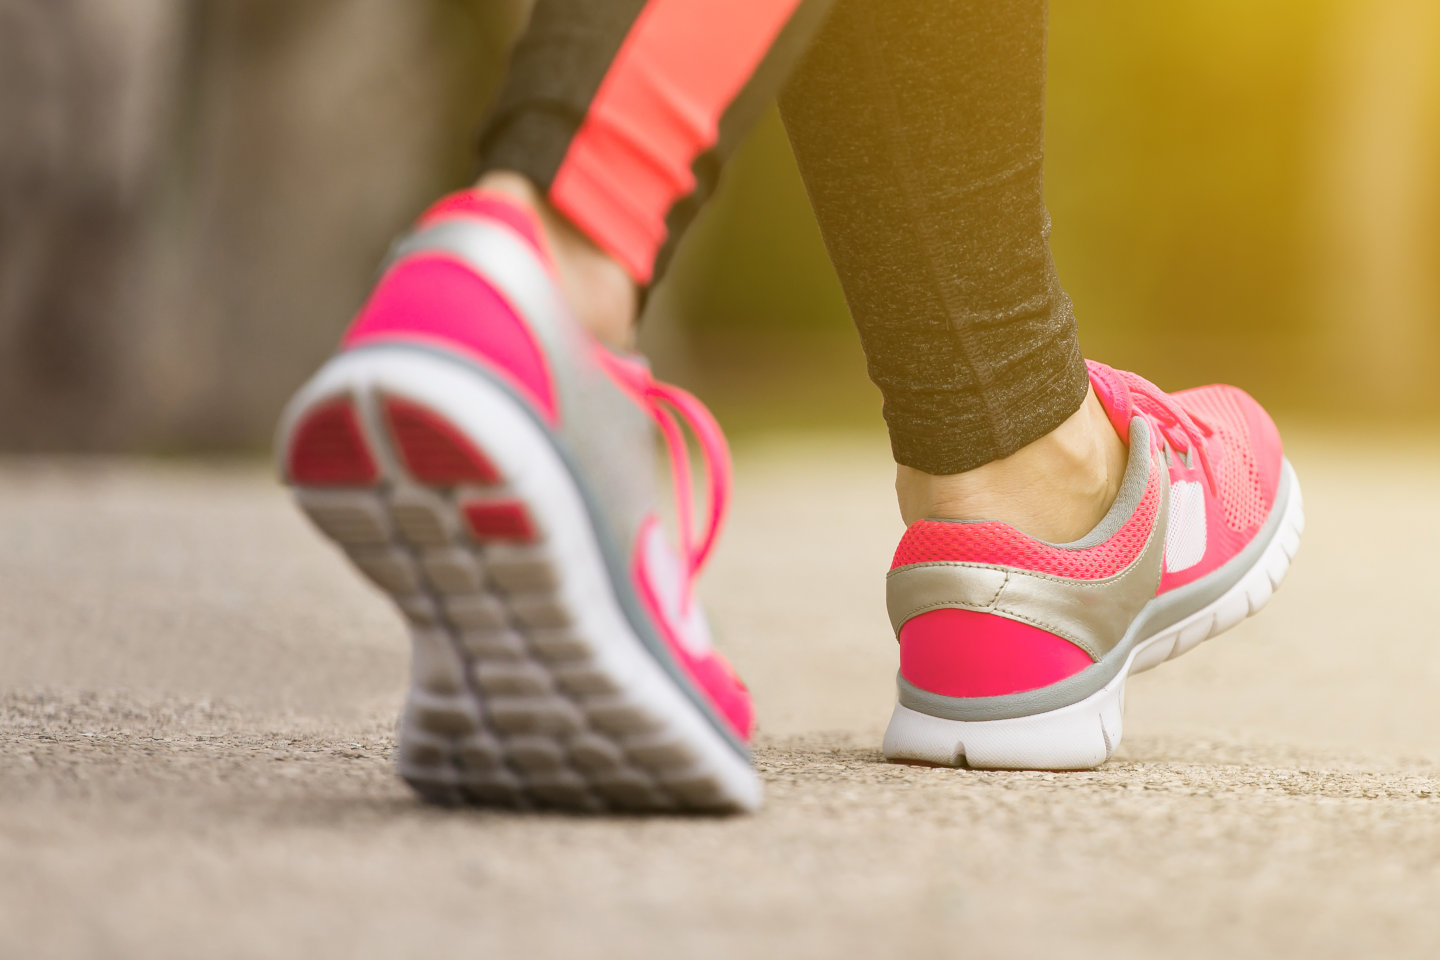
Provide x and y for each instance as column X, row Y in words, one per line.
column 504, row 520
column 434, row 450
column 328, row 449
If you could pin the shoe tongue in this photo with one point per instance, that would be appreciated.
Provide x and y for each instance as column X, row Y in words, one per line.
column 1114, row 395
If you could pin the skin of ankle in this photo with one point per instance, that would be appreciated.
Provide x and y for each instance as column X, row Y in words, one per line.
column 1056, row 488
column 602, row 295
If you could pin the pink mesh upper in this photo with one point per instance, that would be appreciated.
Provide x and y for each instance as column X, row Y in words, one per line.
column 1237, row 475
column 992, row 542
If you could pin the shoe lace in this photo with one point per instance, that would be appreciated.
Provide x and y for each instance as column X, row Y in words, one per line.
column 1182, row 429
column 670, row 407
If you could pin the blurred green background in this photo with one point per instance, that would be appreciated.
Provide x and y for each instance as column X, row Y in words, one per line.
column 194, row 193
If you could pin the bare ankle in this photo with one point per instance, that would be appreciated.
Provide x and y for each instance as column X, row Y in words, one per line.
column 602, row 295
column 1057, row 488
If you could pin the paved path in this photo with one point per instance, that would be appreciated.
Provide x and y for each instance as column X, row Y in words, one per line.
column 197, row 699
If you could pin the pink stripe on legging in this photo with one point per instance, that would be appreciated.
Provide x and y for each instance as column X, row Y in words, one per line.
column 657, row 109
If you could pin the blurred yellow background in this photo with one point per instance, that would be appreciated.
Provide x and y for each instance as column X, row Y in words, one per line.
column 193, row 196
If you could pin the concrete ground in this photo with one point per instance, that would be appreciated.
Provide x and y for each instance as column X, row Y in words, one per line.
column 196, row 714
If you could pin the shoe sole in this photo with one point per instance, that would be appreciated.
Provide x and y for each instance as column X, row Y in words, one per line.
column 529, row 686
column 1085, row 734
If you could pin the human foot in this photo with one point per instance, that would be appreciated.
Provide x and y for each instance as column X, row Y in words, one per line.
column 1014, row 651
column 602, row 296
column 488, row 465
column 1055, row 488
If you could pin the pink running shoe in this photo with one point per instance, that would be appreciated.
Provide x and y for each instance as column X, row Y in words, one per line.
column 1014, row 652
column 490, row 466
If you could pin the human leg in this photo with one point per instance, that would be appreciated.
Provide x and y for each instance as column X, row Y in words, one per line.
column 918, row 128
column 614, row 123
column 1065, row 526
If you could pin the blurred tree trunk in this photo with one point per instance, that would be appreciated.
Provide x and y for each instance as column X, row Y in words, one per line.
column 195, row 193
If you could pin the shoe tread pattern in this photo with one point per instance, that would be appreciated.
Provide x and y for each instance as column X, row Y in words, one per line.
column 511, row 703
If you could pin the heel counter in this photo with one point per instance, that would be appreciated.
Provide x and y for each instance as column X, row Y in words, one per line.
column 434, row 300
column 966, row 653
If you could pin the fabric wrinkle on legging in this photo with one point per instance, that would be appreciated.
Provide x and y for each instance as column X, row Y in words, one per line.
column 918, row 129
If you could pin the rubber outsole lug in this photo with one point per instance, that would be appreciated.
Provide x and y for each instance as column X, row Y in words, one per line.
column 328, row 448
column 432, row 450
